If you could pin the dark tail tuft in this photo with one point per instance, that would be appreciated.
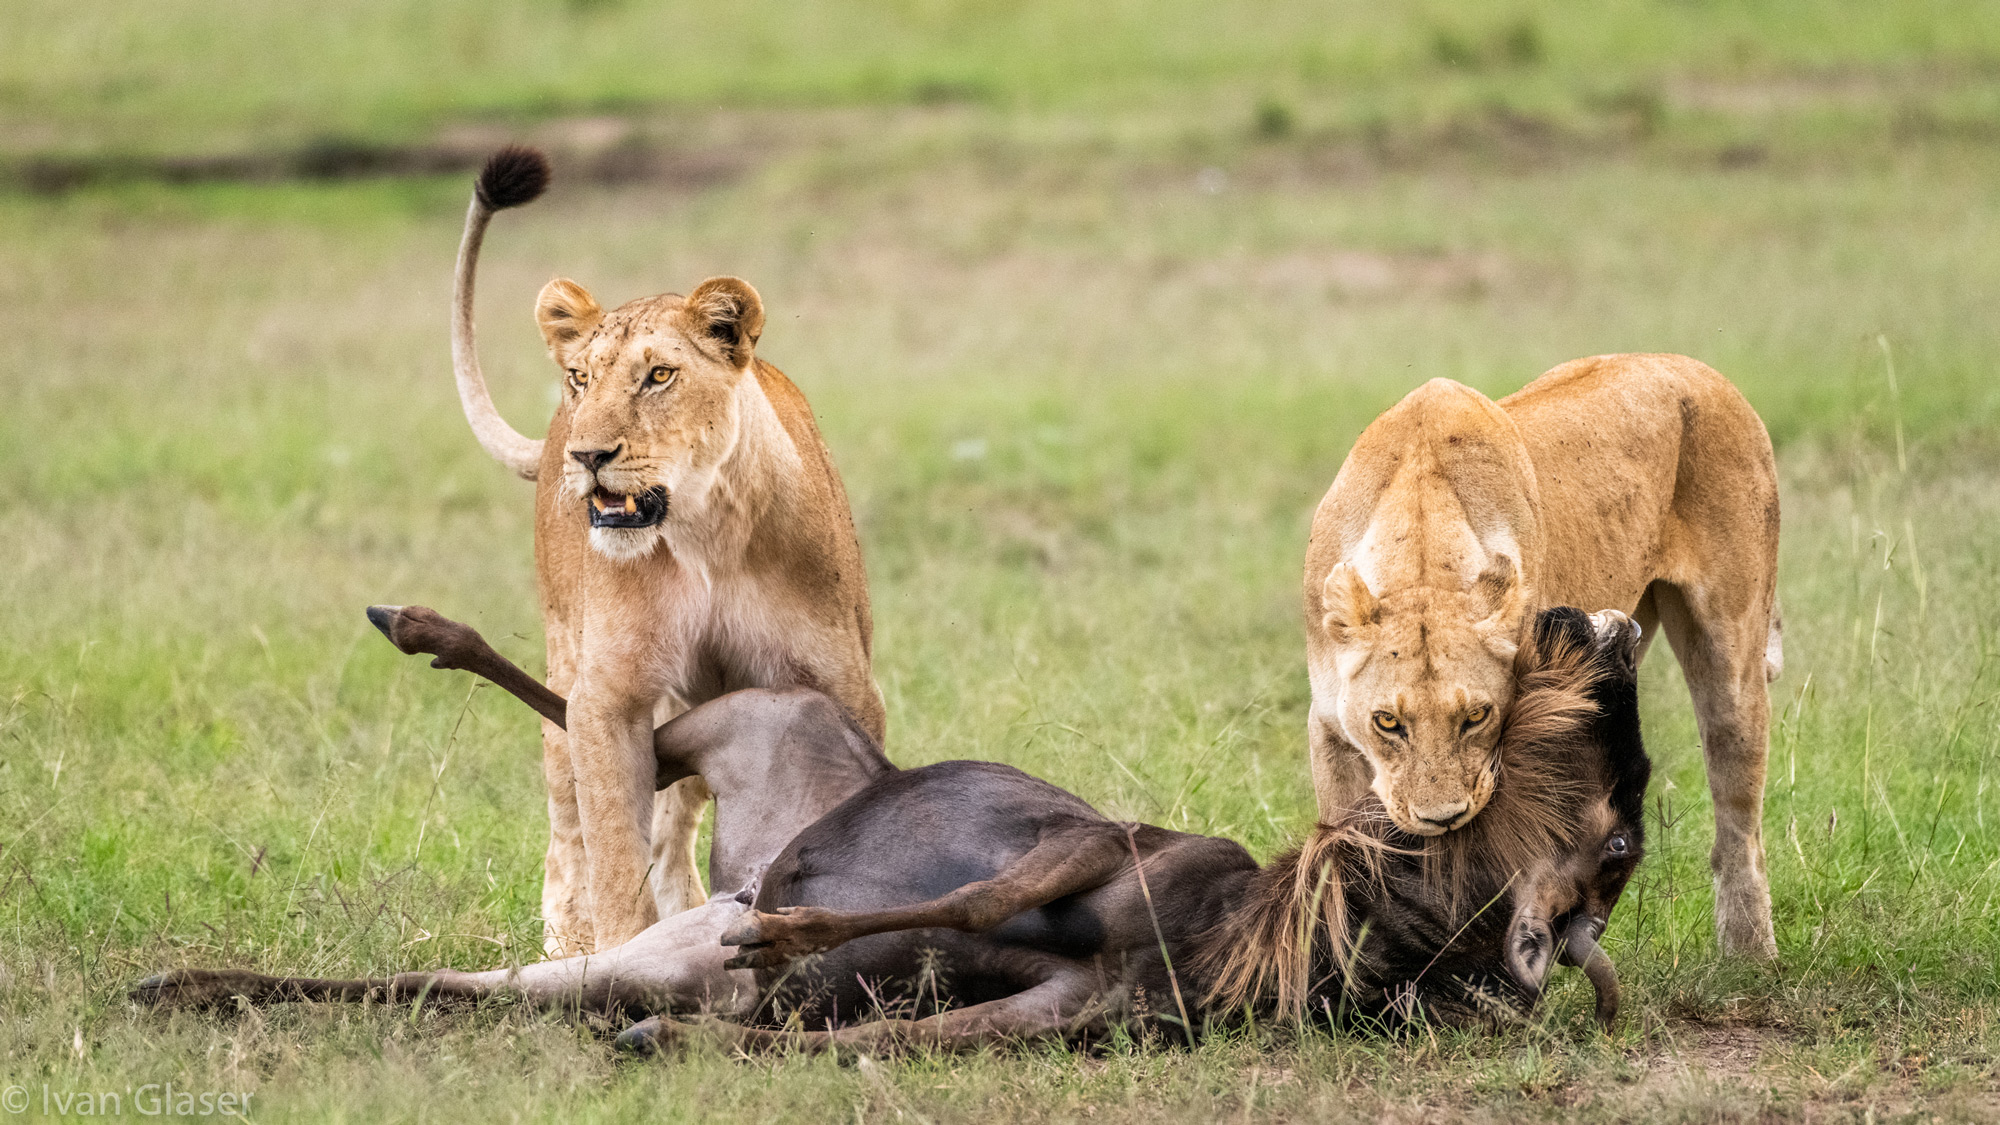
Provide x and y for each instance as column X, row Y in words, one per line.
column 515, row 175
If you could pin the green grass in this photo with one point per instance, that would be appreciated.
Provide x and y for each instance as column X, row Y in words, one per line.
column 1083, row 406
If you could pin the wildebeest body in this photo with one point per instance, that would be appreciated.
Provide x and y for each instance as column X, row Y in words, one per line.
column 922, row 833
column 966, row 902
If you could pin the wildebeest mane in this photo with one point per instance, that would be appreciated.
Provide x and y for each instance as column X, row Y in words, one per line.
column 1546, row 767
column 1298, row 921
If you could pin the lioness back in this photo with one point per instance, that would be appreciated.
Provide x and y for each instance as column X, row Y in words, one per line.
column 1639, row 458
column 826, row 501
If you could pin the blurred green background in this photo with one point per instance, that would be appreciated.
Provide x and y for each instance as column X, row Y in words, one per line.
column 1090, row 300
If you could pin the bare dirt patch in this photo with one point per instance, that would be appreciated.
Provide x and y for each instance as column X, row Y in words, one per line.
column 600, row 149
column 1764, row 1073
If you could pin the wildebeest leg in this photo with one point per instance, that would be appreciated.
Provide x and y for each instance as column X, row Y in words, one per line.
column 420, row 630
column 607, row 799
column 674, row 965
column 1063, row 1006
column 1064, row 861
column 417, row 629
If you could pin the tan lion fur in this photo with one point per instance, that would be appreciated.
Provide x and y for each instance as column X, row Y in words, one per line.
column 1641, row 483
column 753, row 579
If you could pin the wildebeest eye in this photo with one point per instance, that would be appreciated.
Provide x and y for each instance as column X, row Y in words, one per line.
column 1387, row 722
column 1617, row 845
column 661, row 376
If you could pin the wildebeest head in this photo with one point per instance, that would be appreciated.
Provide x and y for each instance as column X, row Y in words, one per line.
column 1366, row 916
column 1563, row 902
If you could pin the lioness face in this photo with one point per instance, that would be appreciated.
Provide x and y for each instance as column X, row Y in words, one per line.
column 1426, row 677
column 653, row 389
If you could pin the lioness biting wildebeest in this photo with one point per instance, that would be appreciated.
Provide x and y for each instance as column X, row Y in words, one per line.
column 1643, row 483
column 978, row 903
column 691, row 538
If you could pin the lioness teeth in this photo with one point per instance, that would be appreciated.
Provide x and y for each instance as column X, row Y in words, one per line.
column 605, row 501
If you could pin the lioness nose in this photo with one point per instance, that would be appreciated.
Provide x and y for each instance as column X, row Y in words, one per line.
column 593, row 459
column 1442, row 815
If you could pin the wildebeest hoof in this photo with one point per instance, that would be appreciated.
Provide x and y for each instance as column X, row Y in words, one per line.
column 383, row 617
column 198, row 988
column 647, row 1037
column 657, row 1035
column 420, row 630
column 768, row 940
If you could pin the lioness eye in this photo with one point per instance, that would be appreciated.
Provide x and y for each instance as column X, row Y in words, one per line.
column 661, row 376
column 578, row 377
column 1388, row 722
column 1477, row 715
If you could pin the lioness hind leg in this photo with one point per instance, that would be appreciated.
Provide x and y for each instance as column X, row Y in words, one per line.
column 1721, row 650
column 676, row 878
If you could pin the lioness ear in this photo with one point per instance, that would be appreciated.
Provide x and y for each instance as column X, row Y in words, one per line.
column 728, row 311
column 1351, row 609
column 567, row 313
column 1498, row 593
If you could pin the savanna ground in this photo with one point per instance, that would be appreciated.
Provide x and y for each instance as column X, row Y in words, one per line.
column 1090, row 300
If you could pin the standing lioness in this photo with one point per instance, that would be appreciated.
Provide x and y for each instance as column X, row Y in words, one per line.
column 1641, row 483
column 691, row 538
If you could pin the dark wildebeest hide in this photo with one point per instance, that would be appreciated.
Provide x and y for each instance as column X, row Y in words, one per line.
column 966, row 902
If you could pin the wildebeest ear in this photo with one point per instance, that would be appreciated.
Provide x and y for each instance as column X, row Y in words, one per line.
column 567, row 313
column 1351, row 609
column 728, row 311
column 1531, row 935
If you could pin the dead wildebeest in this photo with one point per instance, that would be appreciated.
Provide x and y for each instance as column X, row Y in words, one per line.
column 991, row 905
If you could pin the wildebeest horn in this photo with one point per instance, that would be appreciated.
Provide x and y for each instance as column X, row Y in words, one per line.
column 1580, row 948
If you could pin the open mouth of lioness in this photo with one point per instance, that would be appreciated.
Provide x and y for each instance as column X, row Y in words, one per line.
column 627, row 509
